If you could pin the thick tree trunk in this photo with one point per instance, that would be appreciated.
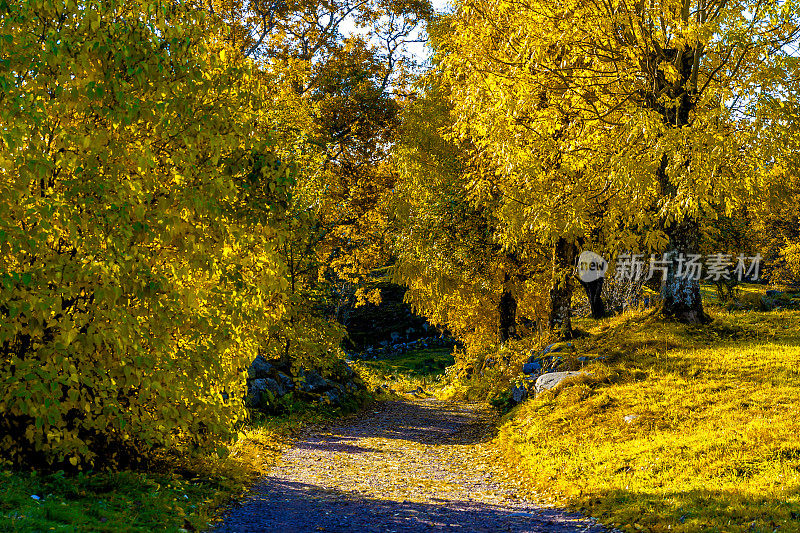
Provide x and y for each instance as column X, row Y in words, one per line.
column 680, row 295
column 560, row 321
column 593, row 291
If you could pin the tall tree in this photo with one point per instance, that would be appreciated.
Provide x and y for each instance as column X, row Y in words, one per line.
column 650, row 109
column 339, row 118
column 458, row 274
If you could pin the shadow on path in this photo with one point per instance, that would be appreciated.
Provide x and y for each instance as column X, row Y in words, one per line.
column 284, row 506
column 427, row 422
column 402, row 466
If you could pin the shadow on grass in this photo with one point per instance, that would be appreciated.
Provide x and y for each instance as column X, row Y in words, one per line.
column 696, row 510
column 415, row 364
column 280, row 505
column 644, row 343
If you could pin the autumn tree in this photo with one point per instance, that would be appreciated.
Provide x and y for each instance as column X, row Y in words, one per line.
column 458, row 274
column 338, row 96
column 140, row 195
column 647, row 115
column 776, row 220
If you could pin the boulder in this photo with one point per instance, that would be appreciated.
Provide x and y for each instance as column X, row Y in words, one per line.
column 332, row 397
column 259, row 368
column 549, row 358
column 552, row 379
column 312, row 382
column 286, row 382
column 257, row 387
column 532, row 367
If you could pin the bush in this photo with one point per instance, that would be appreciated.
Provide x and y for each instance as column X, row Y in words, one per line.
column 138, row 271
column 752, row 302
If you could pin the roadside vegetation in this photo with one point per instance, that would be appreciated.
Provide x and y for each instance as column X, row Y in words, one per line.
column 414, row 370
column 673, row 427
column 187, row 188
column 172, row 493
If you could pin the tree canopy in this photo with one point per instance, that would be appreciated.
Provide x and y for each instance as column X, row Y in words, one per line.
column 187, row 185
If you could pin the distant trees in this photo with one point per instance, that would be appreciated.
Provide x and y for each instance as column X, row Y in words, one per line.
column 337, row 112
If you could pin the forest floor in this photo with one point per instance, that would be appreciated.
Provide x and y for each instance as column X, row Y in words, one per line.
column 417, row 464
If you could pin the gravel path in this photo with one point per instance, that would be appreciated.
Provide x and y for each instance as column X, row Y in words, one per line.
column 416, row 465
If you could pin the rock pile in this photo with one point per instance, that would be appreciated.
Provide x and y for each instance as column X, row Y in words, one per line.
column 269, row 381
column 548, row 359
column 389, row 349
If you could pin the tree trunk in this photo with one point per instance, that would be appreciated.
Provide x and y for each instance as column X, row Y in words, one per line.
column 513, row 275
column 593, row 291
column 560, row 321
column 508, row 316
column 680, row 296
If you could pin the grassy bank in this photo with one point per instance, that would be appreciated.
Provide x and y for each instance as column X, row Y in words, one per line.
column 677, row 429
column 174, row 494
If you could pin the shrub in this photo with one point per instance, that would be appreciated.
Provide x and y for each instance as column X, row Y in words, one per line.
column 138, row 271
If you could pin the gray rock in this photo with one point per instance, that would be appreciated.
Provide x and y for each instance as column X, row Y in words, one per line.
column 256, row 390
column 630, row 418
column 286, row 382
column 532, row 367
column 274, row 387
column 551, row 379
column 333, row 396
column 259, row 368
column 313, row 382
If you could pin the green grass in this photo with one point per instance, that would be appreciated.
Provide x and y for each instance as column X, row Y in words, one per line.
column 712, row 438
column 407, row 372
column 175, row 494
column 124, row 501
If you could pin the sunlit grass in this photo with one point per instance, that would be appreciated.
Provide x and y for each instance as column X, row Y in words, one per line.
column 711, row 436
column 407, row 372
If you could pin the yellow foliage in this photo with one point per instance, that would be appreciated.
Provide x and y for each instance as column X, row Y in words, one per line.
column 138, row 264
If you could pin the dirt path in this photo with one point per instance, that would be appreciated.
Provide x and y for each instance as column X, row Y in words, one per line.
column 416, row 465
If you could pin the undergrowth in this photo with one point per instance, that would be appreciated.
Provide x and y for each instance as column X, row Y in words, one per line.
column 417, row 369
column 175, row 493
